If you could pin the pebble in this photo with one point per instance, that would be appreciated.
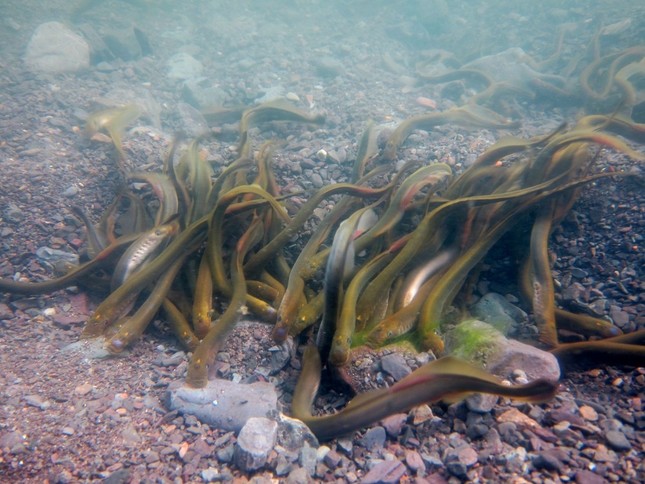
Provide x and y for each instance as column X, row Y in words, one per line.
column 192, row 120
column 457, row 469
column 5, row 312
column 588, row 413
column 588, row 477
column 211, row 474
column 617, row 440
column 513, row 415
column 184, row 66
column 421, row 414
column 293, row 434
column 515, row 459
column 481, row 402
column 66, row 321
column 548, row 461
column 387, row 471
column 317, row 180
column 414, row 461
column 374, row 438
column 47, row 254
column 476, row 431
column 299, row 475
column 393, row 424
column 426, row 102
column 603, row 454
column 514, row 355
column 346, row 444
column 71, row 191
column 292, row 96
column 500, row 355
column 226, row 454
column 395, row 365
column 280, row 356
column 308, row 459
column 497, row 311
column 283, row 466
column 618, row 316
column 93, row 349
column 432, row 460
column 83, row 389
column 13, row 214
column 11, row 441
column 173, row 360
column 578, row 273
column 37, row 401
column 464, row 454
column 255, row 442
column 130, row 435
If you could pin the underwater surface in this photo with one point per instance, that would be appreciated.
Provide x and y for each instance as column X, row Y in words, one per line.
column 414, row 226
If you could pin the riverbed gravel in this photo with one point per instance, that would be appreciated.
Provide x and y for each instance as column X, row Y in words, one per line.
column 65, row 418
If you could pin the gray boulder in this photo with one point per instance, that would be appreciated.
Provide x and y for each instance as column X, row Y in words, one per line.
column 54, row 48
column 494, row 309
column 184, row 66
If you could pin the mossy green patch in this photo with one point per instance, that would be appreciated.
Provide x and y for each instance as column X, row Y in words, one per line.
column 473, row 340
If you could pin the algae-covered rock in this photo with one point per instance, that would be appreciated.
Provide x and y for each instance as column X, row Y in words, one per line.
column 473, row 340
column 480, row 343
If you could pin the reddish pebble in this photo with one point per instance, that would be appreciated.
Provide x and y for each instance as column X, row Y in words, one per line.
column 83, row 389
column 588, row 413
column 76, row 243
column 426, row 102
column 414, row 461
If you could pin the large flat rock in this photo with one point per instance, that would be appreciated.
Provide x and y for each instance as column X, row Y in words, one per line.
column 224, row 404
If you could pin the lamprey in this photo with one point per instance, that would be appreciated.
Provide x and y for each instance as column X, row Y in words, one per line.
column 279, row 241
column 214, row 228
column 627, row 349
column 452, row 279
column 346, row 325
column 445, row 379
column 339, row 265
column 103, row 258
column 293, row 300
column 542, row 281
column 165, row 191
column 135, row 325
column 147, row 246
column 179, row 325
column 207, row 350
column 203, row 299
column 112, row 308
column 466, row 116
column 96, row 239
column 113, row 121
column 276, row 111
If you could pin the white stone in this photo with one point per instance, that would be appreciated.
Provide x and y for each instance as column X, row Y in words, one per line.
column 55, row 48
column 255, row 442
column 184, row 66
